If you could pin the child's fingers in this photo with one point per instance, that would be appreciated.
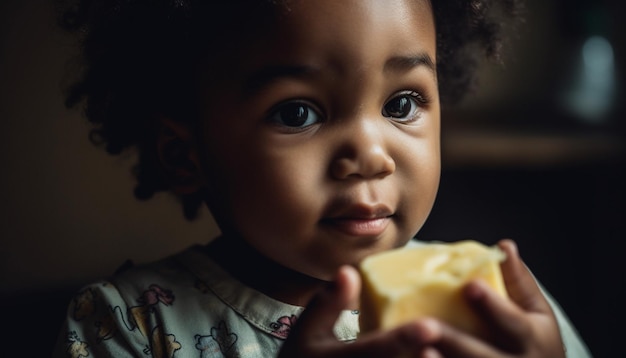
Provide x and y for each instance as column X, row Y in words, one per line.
column 314, row 328
column 313, row 334
column 513, row 322
column 410, row 340
column 505, row 320
column 431, row 352
column 322, row 312
column 452, row 342
column 520, row 284
column 509, row 317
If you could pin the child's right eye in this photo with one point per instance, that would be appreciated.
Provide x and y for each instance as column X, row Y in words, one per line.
column 295, row 115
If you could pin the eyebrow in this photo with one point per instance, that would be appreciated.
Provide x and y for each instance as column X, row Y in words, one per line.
column 406, row 63
column 261, row 78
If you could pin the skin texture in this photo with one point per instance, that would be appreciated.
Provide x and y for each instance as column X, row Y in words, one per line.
column 320, row 146
column 355, row 181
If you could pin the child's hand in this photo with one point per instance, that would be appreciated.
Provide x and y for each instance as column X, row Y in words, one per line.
column 525, row 326
column 313, row 334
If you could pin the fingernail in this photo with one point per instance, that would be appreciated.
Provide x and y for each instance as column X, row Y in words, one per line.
column 509, row 247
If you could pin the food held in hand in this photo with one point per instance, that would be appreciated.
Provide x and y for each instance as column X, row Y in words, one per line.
column 404, row 284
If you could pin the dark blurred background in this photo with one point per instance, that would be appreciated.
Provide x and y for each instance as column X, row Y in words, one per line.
column 537, row 154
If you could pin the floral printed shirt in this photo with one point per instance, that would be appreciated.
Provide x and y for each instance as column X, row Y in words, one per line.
column 182, row 306
column 187, row 306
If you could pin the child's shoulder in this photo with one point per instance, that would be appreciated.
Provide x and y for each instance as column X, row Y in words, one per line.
column 161, row 281
column 187, row 297
column 127, row 308
column 158, row 277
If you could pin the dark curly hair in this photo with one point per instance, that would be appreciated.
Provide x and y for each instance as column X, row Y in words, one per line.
column 137, row 59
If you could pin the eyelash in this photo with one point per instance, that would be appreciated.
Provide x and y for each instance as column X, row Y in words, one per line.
column 416, row 99
column 306, row 108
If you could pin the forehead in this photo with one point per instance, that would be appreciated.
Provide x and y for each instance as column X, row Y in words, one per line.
column 349, row 24
column 328, row 16
column 339, row 33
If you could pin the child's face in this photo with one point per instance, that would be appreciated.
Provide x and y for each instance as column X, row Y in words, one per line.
column 322, row 138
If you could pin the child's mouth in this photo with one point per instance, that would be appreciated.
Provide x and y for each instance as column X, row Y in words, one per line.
column 359, row 219
column 359, row 226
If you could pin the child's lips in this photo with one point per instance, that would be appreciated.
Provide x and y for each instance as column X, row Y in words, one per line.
column 359, row 226
column 360, row 220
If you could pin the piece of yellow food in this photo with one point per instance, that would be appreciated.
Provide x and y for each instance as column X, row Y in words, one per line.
column 404, row 284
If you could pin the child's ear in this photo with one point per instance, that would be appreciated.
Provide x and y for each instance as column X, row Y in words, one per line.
column 179, row 157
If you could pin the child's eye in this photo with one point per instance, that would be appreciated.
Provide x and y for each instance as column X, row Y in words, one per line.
column 295, row 115
column 404, row 107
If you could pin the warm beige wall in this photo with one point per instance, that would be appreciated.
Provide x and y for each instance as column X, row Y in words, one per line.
column 67, row 214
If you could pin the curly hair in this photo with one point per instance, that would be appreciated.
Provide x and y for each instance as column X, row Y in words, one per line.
column 138, row 53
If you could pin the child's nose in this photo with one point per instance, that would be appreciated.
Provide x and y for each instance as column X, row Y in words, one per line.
column 363, row 153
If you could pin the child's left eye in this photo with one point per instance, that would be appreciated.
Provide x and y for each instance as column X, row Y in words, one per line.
column 295, row 115
column 404, row 107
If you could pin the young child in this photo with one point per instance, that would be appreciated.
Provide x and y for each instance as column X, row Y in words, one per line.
column 310, row 128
